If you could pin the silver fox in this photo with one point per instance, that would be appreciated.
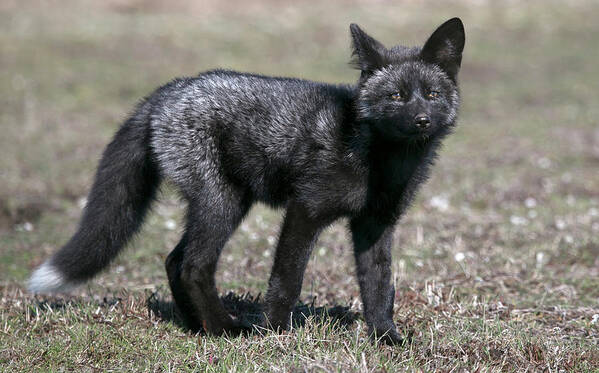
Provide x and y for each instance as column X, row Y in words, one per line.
column 322, row 151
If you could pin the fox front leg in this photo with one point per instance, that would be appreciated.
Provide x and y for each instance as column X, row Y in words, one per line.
column 298, row 236
column 372, row 249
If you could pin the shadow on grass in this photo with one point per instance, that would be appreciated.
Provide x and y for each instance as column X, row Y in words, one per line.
column 42, row 303
column 249, row 308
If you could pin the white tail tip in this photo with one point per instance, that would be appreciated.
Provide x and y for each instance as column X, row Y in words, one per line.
column 48, row 279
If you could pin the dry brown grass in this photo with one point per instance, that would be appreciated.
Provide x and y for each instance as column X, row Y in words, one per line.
column 496, row 265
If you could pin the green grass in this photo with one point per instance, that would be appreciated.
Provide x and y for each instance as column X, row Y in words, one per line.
column 519, row 178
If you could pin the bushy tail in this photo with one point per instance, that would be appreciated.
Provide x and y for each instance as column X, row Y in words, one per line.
column 125, row 184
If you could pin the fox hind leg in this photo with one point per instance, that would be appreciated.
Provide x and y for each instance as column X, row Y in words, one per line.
column 191, row 266
column 188, row 312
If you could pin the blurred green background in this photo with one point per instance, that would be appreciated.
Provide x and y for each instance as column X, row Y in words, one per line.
column 510, row 215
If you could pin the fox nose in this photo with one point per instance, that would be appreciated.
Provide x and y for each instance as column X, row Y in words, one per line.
column 422, row 121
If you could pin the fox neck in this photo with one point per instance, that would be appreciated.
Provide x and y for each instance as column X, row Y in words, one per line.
column 393, row 169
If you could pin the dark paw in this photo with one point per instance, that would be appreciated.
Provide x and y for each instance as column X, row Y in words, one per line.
column 239, row 327
column 187, row 318
column 389, row 336
column 232, row 328
column 276, row 322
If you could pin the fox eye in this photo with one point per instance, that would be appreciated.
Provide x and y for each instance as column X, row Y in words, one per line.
column 397, row 96
column 433, row 94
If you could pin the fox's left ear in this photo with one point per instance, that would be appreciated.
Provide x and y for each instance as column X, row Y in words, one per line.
column 445, row 46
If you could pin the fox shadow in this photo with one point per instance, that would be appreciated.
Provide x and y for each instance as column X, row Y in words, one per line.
column 248, row 309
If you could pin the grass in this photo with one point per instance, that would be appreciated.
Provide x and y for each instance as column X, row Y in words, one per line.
column 495, row 265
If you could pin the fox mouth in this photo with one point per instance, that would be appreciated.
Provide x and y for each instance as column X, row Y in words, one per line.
column 415, row 135
column 419, row 137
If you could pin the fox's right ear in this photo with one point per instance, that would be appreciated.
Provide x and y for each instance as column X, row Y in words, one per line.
column 367, row 53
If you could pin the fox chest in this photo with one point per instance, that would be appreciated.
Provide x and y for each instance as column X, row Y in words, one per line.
column 394, row 181
column 332, row 191
column 385, row 187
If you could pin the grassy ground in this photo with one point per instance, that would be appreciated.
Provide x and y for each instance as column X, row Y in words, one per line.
column 496, row 265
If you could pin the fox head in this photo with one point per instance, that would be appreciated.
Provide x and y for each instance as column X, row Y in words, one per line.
column 409, row 93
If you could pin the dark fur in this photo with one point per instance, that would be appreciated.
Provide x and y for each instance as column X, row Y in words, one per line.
column 324, row 152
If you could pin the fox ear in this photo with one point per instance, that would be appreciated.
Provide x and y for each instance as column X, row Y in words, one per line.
column 445, row 46
column 367, row 53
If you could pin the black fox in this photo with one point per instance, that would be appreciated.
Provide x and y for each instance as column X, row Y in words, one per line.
column 322, row 151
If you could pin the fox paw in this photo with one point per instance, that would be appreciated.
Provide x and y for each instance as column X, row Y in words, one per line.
column 389, row 337
column 233, row 328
